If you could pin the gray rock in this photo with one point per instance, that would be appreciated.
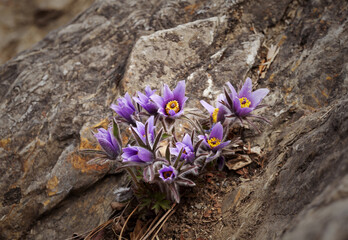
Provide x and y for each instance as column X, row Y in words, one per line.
column 53, row 95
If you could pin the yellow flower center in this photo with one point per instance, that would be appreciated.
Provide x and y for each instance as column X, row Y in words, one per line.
column 244, row 102
column 215, row 115
column 214, row 142
column 167, row 174
column 172, row 105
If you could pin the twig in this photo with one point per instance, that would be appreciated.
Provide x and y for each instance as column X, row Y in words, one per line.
column 152, row 223
column 125, row 223
column 153, row 229
column 160, row 227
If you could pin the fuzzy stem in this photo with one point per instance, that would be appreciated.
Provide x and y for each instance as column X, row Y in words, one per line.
column 164, row 125
column 134, row 178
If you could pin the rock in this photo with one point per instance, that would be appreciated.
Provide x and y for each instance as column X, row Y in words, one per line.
column 53, row 95
column 22, row 24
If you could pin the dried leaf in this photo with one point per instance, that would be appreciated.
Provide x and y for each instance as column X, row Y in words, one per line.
column 207, row 213
column 243, row 172
column 264, row 65
column 256, row 150
column 138, row 230
column 239, row 162
column 117, row 206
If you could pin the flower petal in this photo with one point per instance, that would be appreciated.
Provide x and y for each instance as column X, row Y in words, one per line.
column 145, row 155
column 207, row 106
column 217, row 131
column 257, row 96
column 158, row 100
column 221, row 145
column 246, row 89
column 148, row 91
column 187, row 141
column 167, row 94
column 108, row 147
column 245, row 111
column 179, row 91
column 233, row 91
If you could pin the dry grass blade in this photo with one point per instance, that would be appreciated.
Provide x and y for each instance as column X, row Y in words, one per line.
column 124, row 225
column 97, row 230
column 160, row 227
column 158, row 223
column 152, row 223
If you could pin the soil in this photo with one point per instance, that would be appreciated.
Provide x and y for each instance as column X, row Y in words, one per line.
column 201, row 211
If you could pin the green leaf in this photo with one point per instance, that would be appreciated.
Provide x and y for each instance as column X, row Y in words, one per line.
column 165, row 135
column 157, row 140
column 168, row 153
column 116, row 132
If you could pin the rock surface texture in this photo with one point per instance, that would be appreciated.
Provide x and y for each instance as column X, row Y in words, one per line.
column 55, row 93
column 24, row 23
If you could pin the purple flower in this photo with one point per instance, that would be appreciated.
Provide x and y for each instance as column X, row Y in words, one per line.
column 140, row 130
column 188, row 153
column 172, row 103
column 171, row 178
column 168, row 174
column 137, row 156
column 214, row 141
column 216, row 113
column 246, row 101
column 108, row 142
column 125, row 108
column 145, row 101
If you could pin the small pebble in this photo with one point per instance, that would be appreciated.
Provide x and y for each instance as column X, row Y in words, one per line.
column 198, row 206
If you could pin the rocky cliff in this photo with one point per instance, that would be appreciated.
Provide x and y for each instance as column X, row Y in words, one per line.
column 54, row 94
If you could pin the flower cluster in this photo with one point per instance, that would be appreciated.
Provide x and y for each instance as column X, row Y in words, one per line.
column 154, row 155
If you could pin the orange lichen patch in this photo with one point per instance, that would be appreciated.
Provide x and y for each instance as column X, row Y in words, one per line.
column 80, row 162
column 86, row 144
column 298, row 62
column 316, row 100
column 45, row 203
column 328, row 78
column 102, row 124
column 282, row 40
column 191, row 8
column 4, row 143
column 324, row 93
column 287, row 91
column 52, row 186
column 125, row 137
column 310, row 108
column 271, row 78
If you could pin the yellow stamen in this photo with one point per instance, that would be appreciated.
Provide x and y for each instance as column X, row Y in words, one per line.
column 215, row 115
column 244, row 102
column 172, row 105
column 214, row 142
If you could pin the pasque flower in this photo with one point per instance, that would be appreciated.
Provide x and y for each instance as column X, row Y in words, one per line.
column 125, row 108
column 172, row 103
column 145, row 101
column 133, row 155
column 108, row 142
column 217, row 113
column 140, row 130
column 188, row 153
column 168, row 174
column 171, row 178
column 214, row 141
column 245, row 101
